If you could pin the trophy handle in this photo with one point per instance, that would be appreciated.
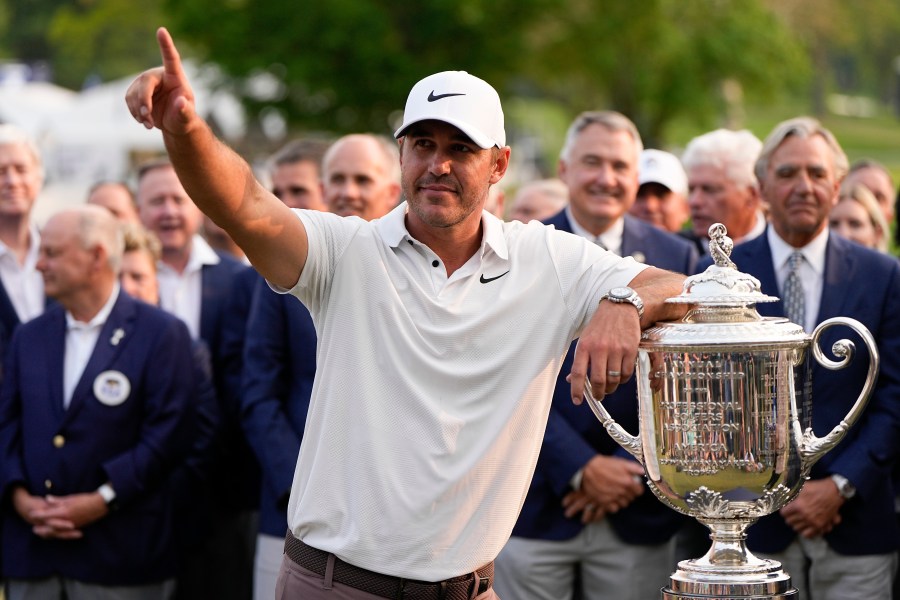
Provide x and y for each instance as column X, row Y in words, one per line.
column 631, row 443
column 811, row 447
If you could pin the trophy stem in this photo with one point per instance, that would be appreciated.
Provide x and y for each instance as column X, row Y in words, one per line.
column 729, row 547
column 729, row 570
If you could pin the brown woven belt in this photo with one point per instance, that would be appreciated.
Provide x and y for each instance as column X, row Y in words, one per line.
column 388, row 586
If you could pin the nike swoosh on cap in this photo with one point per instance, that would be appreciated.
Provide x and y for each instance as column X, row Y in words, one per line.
column 490, row 279
column 432, row 96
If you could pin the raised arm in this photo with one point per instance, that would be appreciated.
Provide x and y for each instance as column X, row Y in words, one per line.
column 219, row 181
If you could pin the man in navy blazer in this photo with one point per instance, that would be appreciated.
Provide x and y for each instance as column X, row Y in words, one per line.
column 280, row 351
column 838, row 538
column 95, row 413
column 279, row 367
column 588, row 511
column 210, row 291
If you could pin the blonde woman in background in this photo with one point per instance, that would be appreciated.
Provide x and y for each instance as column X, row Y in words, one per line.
column 858, row 217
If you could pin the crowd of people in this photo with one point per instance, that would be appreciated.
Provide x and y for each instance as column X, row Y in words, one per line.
column 396, row 381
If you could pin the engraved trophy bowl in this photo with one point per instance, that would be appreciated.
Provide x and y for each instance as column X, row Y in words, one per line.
column 725, row 421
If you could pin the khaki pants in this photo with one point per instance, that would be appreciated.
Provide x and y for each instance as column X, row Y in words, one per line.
column 820, row 573
column 528, row 569
column 52, row 588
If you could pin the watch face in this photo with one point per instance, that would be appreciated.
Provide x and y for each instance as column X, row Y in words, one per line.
column 620, row 292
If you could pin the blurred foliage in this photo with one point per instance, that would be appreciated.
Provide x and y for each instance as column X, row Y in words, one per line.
column 4, row 30
column 346, row 65
column 100, row 40
column 853, row 45
column 81, row 41
column 656, row 60
column 26, row 25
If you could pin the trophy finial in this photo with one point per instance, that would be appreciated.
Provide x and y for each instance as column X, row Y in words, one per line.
column 720, row 246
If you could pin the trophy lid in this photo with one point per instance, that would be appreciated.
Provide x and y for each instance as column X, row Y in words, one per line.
column 721, row 284
column 723, row 309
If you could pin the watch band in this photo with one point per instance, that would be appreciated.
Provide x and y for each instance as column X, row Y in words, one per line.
column 625, row 295
column 108, row 494
column 845, row 488
column 577, row 478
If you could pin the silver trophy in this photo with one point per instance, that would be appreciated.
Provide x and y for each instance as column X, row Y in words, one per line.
column 725, row 414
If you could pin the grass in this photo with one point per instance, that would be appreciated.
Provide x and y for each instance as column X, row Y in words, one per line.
column 876, row 137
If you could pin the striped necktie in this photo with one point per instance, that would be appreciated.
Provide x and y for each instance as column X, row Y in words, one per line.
column 794, row 299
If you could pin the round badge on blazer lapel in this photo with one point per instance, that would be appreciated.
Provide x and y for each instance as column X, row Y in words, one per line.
column 112, row 388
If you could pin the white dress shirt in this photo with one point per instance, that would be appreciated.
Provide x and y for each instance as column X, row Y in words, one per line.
column 23, row 282
column 181, row 294
column 81, row 339
column 811, row 271
column 611, row 239
column 758, row 228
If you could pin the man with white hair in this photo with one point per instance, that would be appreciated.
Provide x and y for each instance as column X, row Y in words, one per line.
column 722, row 187
column 96, row 413
column 21, row 180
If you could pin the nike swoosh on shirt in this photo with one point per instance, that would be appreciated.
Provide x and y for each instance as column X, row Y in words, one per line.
column 432, row 96
column 490, row 279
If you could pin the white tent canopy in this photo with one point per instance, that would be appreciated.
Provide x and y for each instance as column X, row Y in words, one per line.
column 90, row 136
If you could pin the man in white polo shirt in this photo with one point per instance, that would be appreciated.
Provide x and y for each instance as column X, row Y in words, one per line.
column 442, row 330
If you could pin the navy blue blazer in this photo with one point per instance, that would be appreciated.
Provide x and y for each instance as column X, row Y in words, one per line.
column 227, row 292
column 574, row 435
column 135, row 443
column 191, row 481
column 865, row 285
column 279, row 368
column 226, row 289
column 9, row 320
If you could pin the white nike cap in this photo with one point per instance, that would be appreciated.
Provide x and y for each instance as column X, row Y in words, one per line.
column 664, row 168
column 460, row 99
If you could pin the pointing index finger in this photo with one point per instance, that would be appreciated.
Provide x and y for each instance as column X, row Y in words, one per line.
column 171, row 59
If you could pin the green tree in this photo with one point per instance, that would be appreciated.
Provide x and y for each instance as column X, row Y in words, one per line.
column 852, row 46
column 346, row 64
column 4, row 29
column 656, row 60
column 102, row 39
column 27, row 22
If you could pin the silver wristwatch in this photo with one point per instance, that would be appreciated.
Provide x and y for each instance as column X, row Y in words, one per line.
column 625, row 295
column 845, row 488
column 108, row 494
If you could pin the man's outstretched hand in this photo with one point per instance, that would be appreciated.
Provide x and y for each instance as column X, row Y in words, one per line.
column 162, row 97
